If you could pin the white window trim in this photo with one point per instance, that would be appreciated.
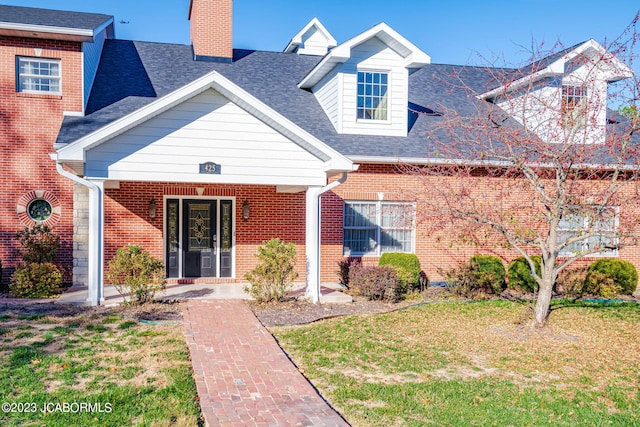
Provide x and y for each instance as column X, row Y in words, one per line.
column 378, row 249
column 35, row 59
column 389, row 98
column 586, row 223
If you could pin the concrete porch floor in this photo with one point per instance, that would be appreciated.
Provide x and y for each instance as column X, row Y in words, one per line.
column 330, row 293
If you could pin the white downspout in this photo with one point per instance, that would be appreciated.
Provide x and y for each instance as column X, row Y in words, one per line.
column 95, row 284
column 313, row 241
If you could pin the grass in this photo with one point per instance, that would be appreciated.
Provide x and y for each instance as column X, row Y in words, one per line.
column 141, row 371
column 456, row 364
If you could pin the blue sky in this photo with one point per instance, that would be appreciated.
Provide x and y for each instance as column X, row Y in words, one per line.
column 454, row 32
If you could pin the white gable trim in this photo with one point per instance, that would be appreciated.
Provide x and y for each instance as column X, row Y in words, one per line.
column 618, row 69
column 414, row 57
column 333, row 160
column 296, row 41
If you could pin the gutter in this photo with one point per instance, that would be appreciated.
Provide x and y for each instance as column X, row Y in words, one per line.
column 95, row 283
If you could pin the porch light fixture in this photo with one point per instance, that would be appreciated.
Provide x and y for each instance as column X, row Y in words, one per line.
column 246, row 210
column 152, row 208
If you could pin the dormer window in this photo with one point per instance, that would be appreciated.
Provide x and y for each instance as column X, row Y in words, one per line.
column 572, row 97
column 37, row 75
column 372, row 95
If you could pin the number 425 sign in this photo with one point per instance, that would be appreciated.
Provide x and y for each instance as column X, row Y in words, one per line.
column 210, row 168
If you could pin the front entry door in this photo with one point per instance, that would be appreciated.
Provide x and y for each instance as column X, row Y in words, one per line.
column 200, row 240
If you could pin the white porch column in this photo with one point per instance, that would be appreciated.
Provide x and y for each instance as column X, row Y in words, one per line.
column 312, row 242
column 96, row 243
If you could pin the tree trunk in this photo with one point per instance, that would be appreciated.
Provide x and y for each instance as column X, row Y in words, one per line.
column 543, row 303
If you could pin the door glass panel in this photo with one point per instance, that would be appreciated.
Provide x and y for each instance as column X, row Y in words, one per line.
column 173, row 227
column 199, row 227
column 226, row 227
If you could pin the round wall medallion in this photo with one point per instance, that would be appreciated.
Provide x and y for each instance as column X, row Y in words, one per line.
column 38, row 207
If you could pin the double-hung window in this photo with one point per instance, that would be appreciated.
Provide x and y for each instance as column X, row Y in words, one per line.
column 574, row 105
column 38, row 75
column 373, row 228
column 599, row 234
column 372, row 95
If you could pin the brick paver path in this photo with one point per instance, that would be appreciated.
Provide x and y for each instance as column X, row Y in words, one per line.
column 242, row 375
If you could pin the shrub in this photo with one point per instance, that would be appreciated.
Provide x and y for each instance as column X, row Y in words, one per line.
column 408, row 262
column 376, row 283
column 623, row 273
column 520, row 274
column 491, row 265
column 467, row 281
column 601, row 285
column 133, row 271
column 273, row 277
column 36, row 280
column 571, row 282
column 38, row 244
column 345, row 265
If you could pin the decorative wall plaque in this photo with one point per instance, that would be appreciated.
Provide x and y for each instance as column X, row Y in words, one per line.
column 210, row 168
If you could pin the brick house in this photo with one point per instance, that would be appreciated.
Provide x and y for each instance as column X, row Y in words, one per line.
column 199, row 153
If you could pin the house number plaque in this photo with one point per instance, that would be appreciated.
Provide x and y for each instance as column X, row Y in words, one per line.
column 210, row 168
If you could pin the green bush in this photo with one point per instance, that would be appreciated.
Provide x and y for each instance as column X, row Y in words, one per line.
column 272, row 278
column 376, row 283
column 36, row 280
column 136, row 273
column 520, row 274
column 344, row 267
column 38, row 244
column 623, row 273
column 491, row 265
column 408, row 262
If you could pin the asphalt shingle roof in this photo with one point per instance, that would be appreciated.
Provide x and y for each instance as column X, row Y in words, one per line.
column 51, row 18
column 134, row 74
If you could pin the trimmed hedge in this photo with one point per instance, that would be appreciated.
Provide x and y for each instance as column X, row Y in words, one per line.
column 490, row 264
column 520, row 273
column 409, row 262
column 376, row 283
column 36, row 280
column 623, row 273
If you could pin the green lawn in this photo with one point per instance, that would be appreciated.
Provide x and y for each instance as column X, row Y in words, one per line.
column 457, row 364
column 131, row 374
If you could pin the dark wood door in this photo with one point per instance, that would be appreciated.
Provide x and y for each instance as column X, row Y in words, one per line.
column 199, row 238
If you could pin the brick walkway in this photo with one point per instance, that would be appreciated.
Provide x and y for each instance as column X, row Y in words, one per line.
column 242, row 375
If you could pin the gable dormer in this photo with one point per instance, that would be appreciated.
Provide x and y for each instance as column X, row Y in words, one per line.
column 313, row 39
column 362, row 84
column 563, row 98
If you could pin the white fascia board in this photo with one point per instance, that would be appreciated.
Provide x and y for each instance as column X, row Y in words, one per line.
column 619, row 69
column 332, row 159
column 80, row 34
column 517, row 84
column 297, row 39
column 485, row 163
column 341, row 53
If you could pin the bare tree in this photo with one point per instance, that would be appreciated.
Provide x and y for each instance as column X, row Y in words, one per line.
column 537, row 161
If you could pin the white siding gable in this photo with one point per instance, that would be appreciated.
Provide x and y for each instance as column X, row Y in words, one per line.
column 207, row 127
column 337, row 91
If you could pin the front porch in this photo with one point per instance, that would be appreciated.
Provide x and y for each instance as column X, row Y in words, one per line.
column 330, row 293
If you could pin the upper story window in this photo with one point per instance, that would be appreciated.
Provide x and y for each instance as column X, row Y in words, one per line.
column 372, row 95
column 37, row 75
column 574, row 102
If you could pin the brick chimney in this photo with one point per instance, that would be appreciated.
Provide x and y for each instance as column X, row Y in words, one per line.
column 211, row 29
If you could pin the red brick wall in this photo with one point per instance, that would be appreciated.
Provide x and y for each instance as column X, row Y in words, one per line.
column 29, row 126
column 211, row 28
column 435, row 248
column 272, row 215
